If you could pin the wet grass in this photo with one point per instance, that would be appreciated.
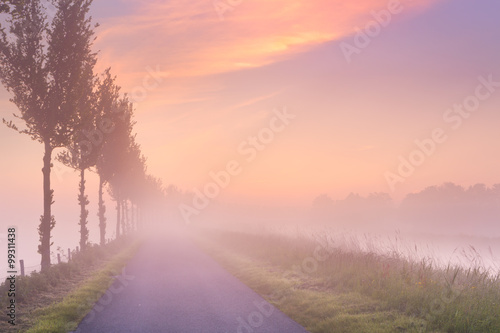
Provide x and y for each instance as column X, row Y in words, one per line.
column 329, row 289
column 57, row 300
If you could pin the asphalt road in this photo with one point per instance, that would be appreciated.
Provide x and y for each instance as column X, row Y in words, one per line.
column 171, row 286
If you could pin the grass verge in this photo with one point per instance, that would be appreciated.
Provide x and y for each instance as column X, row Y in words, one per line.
column 56, row 301
column 327, row 289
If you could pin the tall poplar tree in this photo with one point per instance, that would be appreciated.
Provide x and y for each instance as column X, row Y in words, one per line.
column 107, row 96
column 44, row 65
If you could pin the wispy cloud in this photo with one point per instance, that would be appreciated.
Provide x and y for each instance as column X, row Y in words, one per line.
column 256, row 100
column 188, row 38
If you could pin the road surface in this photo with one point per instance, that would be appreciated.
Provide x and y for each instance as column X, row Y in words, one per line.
column 171, row 286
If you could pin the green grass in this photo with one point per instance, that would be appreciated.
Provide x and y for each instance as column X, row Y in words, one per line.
column 58, row 299
column 327, row 289
column 65, row 316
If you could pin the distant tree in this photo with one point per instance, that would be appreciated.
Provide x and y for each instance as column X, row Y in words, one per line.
column 4, row 6
column 322, row 209
column 107, row 96
column 42, row 67
column 115, row 155
column 453, row 208
column 380, row 197
column 153, row 198
column 323, row 202
column 174, row 197
column 495, row 192
column 81, row 155
column 135, row 186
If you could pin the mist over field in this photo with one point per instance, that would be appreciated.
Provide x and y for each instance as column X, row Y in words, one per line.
column 442, row 221
column 448, row 223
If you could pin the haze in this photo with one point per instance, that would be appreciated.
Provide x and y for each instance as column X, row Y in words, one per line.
column 276, row 111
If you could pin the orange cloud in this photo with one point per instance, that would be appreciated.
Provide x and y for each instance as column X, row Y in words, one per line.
column 188, row 38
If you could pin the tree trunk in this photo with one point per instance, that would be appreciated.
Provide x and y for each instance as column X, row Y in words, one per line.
column 118, row 218
column 133, row 219
column 139, row 217
column 101, row 213
column 124, row 213
column 47, row 221
column 122, row 221
column 82, row 198
column 127, row 219
column 124, row 226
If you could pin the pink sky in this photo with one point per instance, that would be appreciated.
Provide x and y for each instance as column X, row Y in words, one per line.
column 219, row 81
column 216, row 83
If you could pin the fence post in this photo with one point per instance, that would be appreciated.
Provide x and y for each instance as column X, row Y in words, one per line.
column 69, row 254
column 58, row 258
column 21, row 263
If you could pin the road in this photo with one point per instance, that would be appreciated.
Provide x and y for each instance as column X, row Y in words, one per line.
column 171, row 286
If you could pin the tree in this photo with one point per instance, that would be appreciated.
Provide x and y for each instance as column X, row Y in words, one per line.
column 107, row 96
column 115, row 154
column 4, row 6
column 323, row 202
column 80, row 154
column 42, row 67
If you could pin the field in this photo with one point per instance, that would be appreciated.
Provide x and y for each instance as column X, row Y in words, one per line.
column 327, row 288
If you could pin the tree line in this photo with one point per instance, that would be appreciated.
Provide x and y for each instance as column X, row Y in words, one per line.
column 445, row 208
column 47, row 66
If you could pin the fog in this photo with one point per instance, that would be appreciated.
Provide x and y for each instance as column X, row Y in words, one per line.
column 228, row 137
column 301, row 124
column 445, row 224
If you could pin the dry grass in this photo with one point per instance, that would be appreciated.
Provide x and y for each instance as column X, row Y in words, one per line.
column 443, row 299
column 38, row 292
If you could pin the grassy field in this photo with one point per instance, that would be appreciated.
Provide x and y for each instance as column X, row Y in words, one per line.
column 56, row 301
column 327, row 289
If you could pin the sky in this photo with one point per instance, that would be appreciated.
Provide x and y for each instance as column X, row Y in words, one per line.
column 224, row 78
column 308, row 97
